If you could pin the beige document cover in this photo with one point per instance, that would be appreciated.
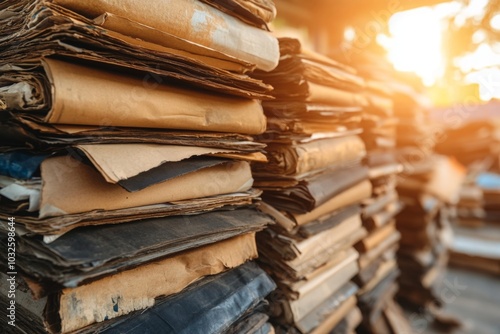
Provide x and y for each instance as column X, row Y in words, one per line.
column 70, row 187
column 124, row 292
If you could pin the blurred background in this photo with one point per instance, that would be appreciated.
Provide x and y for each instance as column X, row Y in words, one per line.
column 448, row 52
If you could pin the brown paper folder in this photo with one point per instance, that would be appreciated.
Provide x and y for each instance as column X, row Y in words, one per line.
column 87, row 96
column 148, row 37
column 81, row 95
column 71, row 187
column 194, row 21
column 350, row 196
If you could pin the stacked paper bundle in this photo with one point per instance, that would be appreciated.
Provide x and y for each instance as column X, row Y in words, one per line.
column 313, row 186
column 476, row 230
column 377, row 262
column 128, row 180
column 473, row 143
column 379, row 270
column 429, row 188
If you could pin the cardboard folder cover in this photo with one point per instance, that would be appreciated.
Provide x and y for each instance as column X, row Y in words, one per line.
column 69, row 187
column 118, row 162
column 122, row 293
column 350, row 196
column 194, row 21
column 88, row 96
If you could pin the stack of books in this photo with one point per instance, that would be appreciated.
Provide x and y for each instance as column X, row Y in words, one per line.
column 313, row 186
column 127, row 143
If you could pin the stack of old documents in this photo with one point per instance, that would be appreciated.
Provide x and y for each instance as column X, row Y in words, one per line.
column 429, row 188
column 475, row 143
column 313, row 186
column 476, row 231
column 472, row 141
column 127, row 140
column 379, row 270
column 377, row 261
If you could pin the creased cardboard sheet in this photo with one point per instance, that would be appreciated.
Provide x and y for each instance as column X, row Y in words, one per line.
column 88, row 96
column 122, row 161
column 125, row 292
column 72, row 187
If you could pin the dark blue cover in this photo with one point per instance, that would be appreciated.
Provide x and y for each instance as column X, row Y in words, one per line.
column 20, row 165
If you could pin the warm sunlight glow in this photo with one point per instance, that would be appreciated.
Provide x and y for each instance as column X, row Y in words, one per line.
column 414, row 44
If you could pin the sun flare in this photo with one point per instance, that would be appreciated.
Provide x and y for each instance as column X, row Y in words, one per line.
column 415, row 42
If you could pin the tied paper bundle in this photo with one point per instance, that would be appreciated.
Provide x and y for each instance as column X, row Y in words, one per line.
column 126, row 149
column 313, row 186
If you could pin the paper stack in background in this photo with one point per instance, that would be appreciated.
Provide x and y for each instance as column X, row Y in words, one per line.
column 476, row 229
column 378, row 274
column 429, row 187
column 127, row 178
column 313, row 186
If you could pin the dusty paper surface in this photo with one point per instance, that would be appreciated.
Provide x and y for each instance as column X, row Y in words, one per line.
column 125, row 292
column 255, row 12
column 88, row 96
column 72, row 187
column 151, row 38
column 122, row 161
column 194, row 21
